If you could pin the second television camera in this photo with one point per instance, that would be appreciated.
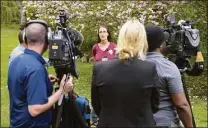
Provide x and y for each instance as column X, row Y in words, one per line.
column 64, row 47
column 183, row 42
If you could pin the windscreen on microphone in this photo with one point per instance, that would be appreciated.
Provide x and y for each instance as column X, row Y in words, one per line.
column 75, row 36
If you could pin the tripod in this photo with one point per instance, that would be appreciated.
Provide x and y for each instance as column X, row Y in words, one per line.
column 187, row 96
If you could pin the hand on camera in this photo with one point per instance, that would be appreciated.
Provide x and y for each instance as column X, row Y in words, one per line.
column 52, row 78
column 66, row 84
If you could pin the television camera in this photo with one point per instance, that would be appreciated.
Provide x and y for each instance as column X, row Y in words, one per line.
column 182, row 43
column 64, row 47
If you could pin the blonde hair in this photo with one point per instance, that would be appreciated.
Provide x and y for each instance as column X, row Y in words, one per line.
column 132, row 40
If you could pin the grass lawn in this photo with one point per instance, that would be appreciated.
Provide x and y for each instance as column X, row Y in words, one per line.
column 9, row 41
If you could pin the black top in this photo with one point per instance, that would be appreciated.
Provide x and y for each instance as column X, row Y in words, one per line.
column 124, row 94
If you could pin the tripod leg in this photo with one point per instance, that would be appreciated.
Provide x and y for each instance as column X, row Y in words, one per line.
column 187, row 97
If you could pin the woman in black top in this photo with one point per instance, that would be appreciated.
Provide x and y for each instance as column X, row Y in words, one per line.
column 123, row 90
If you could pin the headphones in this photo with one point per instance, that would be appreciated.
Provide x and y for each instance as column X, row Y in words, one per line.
column 48, row 33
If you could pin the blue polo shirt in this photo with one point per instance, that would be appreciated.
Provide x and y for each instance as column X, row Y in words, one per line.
column 28, row 84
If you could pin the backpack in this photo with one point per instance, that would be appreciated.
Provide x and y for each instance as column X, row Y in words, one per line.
column 84, row 107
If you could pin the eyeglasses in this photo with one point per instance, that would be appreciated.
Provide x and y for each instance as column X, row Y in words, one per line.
column 102, row 31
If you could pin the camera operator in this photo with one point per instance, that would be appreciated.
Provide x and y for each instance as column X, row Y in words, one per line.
column 30, row 88
column 20, row 48
column 172, row 96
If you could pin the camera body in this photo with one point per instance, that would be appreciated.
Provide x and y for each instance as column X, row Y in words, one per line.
column 59, row 49
column 182, row 42
column 182, row 38
column 64, row 47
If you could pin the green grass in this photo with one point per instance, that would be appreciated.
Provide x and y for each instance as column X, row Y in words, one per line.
column 9, row 41
column 199, row 107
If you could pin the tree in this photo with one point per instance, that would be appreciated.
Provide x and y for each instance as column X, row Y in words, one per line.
column 85, row 16
column 22, row 12
column 9, row 12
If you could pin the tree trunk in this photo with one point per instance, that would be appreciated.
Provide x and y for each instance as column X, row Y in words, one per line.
column 22, row 13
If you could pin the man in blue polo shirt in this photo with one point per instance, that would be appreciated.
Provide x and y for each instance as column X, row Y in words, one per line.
column 30, row 88
column 173, row 104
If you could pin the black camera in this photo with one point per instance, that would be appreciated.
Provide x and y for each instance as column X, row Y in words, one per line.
column 64, row 47
column 63, row 51
column 182, row 42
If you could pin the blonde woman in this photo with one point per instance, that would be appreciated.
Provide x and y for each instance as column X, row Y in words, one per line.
column 123, row 91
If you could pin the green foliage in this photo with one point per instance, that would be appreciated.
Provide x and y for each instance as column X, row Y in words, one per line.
column 9, row 12
column 196, row 11
column 85, row 16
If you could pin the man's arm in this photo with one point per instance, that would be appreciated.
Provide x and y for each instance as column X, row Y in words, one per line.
column 182, row 108
column 35, row 110
column 179, row 100
column 38, row 102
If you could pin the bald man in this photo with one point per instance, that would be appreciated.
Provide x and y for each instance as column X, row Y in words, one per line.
column 30, row 88
column 21, row 48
